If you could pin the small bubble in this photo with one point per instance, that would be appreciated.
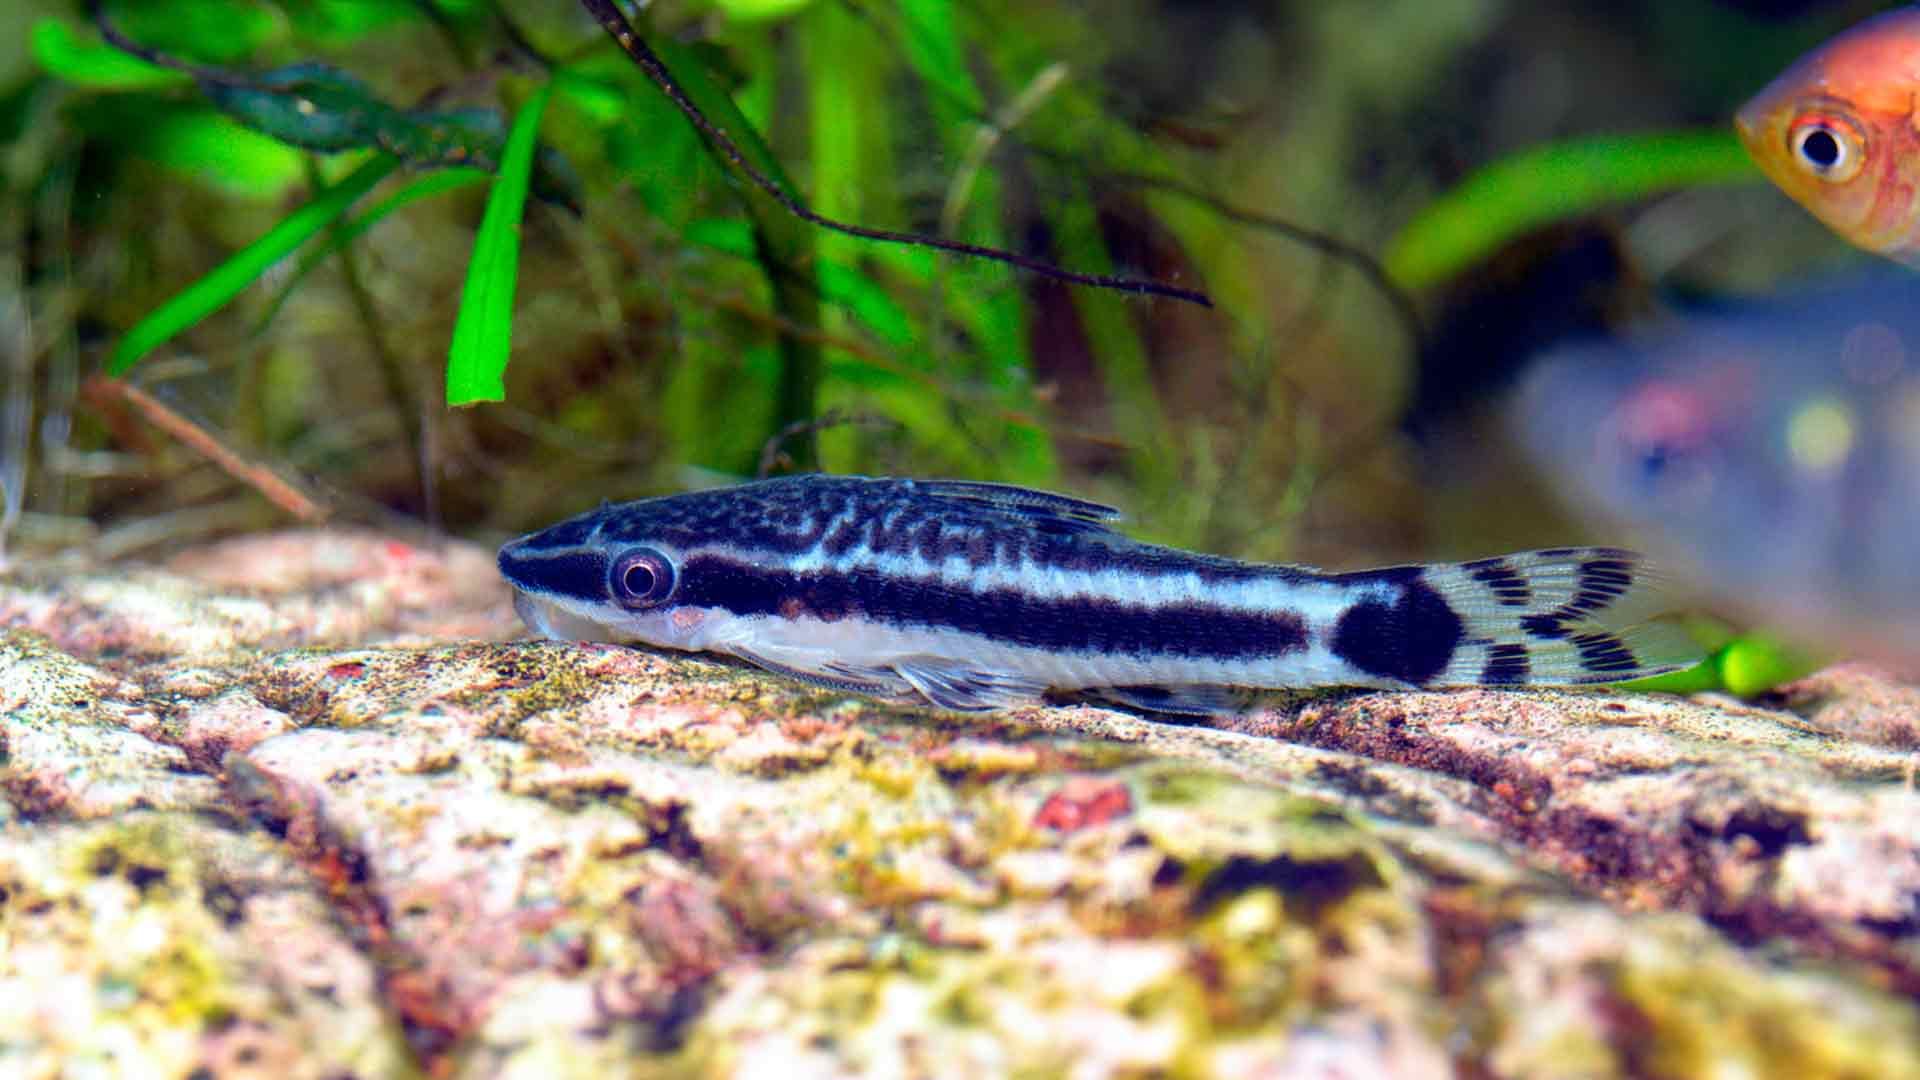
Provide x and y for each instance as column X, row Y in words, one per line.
column 1820, row 434
column 1873, row 354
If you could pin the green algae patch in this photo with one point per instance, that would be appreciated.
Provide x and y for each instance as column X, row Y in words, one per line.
column 1706, row 1010
column 1567, row 992
column 1139, row 957
column 166, row 944
column 1208, row 819
column 43, row 684
column 892, row 775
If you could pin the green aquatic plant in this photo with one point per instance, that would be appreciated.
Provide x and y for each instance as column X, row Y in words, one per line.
column 483, row 335
column 1742, row 664
column 959, row 381
column 1552, row 182
column 673, row 312
column 315, row 107
column 226, row 281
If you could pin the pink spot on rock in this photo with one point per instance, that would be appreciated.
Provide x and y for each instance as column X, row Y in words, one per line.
column 1084, row 801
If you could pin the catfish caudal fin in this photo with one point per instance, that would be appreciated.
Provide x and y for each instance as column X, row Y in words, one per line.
column 1561, row 616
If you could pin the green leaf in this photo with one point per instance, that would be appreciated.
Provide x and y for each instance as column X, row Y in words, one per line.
column 217, row 152
column 483, row 332
column 784, row 244
column 192, row 140
column 65, row 55
column 225, row 281
column 847, row 77
column 602, row 100
column 312, row 106
column 1555, row 181
column 344, row 22
column 839, row 284
column 934, row 49
column 984, row 298
column 707, row 92
column 642, row 135
column 204, row 31
column 760, row 10
column 420, row 187
column 1744, row 666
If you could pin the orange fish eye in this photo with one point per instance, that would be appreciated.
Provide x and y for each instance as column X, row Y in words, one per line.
column 1827, row 146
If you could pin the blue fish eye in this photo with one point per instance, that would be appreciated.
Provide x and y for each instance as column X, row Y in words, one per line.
column 1660, row 467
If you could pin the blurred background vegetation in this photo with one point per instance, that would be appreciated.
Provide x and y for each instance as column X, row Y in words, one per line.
column 668, row 322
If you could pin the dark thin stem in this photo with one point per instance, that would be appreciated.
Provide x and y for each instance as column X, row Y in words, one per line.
column 1331, row 246
column 518, row 38
column 392, row 372
column 773, row 453
column 801, row 363
column 629, row 41
column 962, row 405
column 1259, row 388
column 96, row 11
column 448, row 32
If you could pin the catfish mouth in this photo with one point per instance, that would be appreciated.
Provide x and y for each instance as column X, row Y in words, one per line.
column 547, row 585
column 549, row 620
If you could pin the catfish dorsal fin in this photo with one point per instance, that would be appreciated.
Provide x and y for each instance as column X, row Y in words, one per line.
column 1024, row 501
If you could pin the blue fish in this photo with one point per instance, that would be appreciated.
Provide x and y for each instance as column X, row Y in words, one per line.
column 1769, row 449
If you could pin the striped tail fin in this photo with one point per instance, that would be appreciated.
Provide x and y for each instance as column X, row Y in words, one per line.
column 1563, row 616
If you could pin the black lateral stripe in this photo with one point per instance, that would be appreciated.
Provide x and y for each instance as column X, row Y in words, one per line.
column 1080, row 624
column 1506, row 665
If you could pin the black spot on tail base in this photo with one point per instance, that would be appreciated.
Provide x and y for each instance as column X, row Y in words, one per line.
column 1411, row 640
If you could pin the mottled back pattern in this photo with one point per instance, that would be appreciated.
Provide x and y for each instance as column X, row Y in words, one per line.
column 849, row 519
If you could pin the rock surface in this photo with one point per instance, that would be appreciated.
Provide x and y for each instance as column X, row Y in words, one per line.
column 280, row 808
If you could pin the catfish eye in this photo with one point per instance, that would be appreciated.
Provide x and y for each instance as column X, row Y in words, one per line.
column 1827, row 146
column 641, row 578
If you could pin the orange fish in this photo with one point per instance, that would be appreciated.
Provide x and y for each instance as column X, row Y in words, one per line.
column 1839, row 132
